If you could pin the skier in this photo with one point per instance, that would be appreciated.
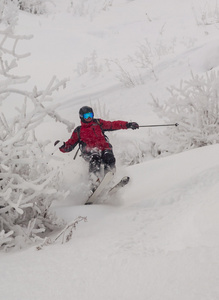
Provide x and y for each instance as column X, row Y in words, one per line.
column 93, row 143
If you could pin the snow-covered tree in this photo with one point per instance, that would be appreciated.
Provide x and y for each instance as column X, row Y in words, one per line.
column 195, row 106
column 28, row 185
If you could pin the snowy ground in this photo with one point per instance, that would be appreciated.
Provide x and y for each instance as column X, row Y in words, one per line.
column 157, row 238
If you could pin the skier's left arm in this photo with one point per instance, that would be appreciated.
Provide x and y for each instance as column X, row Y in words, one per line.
column 117, row 125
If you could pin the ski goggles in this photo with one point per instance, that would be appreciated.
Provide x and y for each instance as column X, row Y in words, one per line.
column 88, row 115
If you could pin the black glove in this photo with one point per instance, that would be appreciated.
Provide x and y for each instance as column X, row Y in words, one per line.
column 56, row 143
column 132, row 125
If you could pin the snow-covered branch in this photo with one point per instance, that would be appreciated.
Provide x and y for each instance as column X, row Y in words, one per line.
column 28, row 185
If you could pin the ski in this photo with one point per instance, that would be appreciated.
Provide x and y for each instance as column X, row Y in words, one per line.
column 121, row 183
column 100, row 188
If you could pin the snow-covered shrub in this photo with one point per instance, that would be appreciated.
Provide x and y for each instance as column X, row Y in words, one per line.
column 89, row 7
column 131, row 152
column 147, row 56
column 131, row 72
column 28, row 185
column 8, row 12
column 89, row 64
column 100, row 110
column 128, row 75
column 32, row 6
column 144, row 56
column 195, row 106
column 206, row 12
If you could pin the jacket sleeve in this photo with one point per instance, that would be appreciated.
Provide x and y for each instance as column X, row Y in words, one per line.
column 71, row 143
column 114, row 125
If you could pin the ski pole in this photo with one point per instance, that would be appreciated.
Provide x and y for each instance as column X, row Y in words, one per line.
column 76, row 153
column 176, row 124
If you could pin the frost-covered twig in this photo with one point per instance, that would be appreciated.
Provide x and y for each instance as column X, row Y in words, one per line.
column 65, row 234
column 126, row 77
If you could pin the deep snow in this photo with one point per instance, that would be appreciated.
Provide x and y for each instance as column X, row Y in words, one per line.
column 158, row 237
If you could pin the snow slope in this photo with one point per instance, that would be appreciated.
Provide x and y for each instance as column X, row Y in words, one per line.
column 157, row 238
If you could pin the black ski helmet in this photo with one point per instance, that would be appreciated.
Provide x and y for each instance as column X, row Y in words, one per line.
column 83, row 110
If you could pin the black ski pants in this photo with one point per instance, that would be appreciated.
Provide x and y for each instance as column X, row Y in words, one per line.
column 97, row 157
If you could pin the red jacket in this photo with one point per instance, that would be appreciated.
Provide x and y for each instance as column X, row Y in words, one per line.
column 91, row 135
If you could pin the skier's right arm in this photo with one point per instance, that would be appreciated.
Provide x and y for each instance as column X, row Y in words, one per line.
column 71, row 143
